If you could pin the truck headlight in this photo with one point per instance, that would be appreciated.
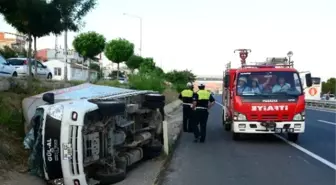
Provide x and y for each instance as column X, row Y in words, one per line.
column 56, row 111
column 299, row 116
column 239, row 117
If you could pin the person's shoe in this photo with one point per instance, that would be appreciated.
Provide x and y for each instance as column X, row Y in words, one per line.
column 202, row 141
column 196, row 140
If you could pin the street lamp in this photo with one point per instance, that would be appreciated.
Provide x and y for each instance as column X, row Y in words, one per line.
column 140, row 19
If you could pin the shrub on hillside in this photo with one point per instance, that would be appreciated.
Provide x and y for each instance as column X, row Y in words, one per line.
column 147, row 81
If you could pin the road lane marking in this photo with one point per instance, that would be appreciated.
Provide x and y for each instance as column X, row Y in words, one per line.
column 327, row 122
column 321, row 110
column 219, row 104
column 311, row 154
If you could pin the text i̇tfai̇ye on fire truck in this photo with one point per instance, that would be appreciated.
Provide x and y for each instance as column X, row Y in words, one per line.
column 264, row 98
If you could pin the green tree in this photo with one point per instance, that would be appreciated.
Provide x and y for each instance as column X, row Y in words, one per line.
column 8, row 52
column 72, row 13
column 89, row 45
column 27, row 16
column 329, row 86
column 134, row 62
column 148, row 65
column 184, row 76
column 118, row 51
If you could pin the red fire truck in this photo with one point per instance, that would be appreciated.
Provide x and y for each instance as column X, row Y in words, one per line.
column 264, row 98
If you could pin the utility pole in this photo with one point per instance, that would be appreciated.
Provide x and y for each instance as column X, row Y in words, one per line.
column 66, row 55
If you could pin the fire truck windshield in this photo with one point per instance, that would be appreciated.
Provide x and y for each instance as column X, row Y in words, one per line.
column 271, row 83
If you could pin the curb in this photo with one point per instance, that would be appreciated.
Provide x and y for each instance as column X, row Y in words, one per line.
column 173, row 106
column 160, row 176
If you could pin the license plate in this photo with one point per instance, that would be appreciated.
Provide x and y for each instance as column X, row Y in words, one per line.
column 67, row 151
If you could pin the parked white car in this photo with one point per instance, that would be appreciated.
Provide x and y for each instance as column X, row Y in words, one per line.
column 6, row 70
column 21, row 65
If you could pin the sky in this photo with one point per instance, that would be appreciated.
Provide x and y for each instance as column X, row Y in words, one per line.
column 201, row 35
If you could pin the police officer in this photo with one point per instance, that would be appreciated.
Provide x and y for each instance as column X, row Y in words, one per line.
column 187, row 97
column 202, row 101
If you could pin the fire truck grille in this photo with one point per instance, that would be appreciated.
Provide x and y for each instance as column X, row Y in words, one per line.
column 269, row 117
column 73, row 140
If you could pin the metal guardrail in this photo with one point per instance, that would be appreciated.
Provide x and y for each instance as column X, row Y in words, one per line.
column 329, row 104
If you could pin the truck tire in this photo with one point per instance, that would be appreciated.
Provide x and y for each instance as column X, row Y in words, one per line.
column 236, row 136
column 293, row 137
column 154, row 104
column 155, row 97
column 110, row 178
column 152, row 150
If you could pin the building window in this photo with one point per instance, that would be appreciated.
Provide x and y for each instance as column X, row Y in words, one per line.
column 57, row 71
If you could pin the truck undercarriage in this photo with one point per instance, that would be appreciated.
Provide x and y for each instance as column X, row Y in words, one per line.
column 94, row 141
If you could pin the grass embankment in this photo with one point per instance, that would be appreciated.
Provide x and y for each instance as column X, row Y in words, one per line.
column 12, row 154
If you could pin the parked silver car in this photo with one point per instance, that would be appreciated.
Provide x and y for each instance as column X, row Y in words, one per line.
column 6, row 70
column 21, row 65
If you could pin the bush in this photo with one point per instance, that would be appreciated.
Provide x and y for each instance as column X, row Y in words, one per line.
column 111, row 83
column 147, row 81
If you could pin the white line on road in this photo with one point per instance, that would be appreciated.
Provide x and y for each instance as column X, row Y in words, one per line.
column 328, row 122
column 321, row 110
column 311, row 154
column 219, row 104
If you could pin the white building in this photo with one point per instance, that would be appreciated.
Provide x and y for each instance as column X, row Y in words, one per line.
column 75, row 71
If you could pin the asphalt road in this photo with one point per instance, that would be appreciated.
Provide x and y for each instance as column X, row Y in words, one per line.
column 257, row 160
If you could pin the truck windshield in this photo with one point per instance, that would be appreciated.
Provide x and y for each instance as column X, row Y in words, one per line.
column 272, row 83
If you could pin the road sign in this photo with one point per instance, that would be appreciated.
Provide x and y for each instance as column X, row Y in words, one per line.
column 312, row 91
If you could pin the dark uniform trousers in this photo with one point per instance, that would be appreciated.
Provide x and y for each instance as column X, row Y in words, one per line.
column 187, row 118
column 201, row 120
column 186, row 96
column 201, row 114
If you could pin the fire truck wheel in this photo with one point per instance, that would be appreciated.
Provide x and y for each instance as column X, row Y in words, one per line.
column 227, row 127
column 236, row 136
column 293, row 137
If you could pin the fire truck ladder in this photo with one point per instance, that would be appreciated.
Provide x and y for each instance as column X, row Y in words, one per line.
column 272, row 62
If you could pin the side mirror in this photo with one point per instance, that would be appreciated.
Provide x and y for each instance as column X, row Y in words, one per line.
column 309, row 81
column 49, row 98
column 226, row 81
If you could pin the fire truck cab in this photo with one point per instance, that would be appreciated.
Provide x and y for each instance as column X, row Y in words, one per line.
column 264, row 98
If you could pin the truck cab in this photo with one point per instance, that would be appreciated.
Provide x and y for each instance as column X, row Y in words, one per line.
column 263, row 99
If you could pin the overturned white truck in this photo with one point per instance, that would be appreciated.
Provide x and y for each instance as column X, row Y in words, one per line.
column 91, row 134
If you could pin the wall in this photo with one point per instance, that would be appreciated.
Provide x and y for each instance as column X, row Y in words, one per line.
column 74, row 73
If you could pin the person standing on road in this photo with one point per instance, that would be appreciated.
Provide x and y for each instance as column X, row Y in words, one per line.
column 187, row 97
column 202, row 102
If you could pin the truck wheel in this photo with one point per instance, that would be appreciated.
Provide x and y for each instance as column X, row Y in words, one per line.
column 152, row 150
column 154, row 104
column 155, row 97
column 293, row 137
column 227, row 126
column 107, row 178
column 236, row 136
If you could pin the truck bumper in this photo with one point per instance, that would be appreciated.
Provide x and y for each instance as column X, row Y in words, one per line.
column 258, row 128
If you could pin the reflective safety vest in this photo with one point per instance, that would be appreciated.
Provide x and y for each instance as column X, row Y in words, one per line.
column 187, row 93
column 203, row 95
